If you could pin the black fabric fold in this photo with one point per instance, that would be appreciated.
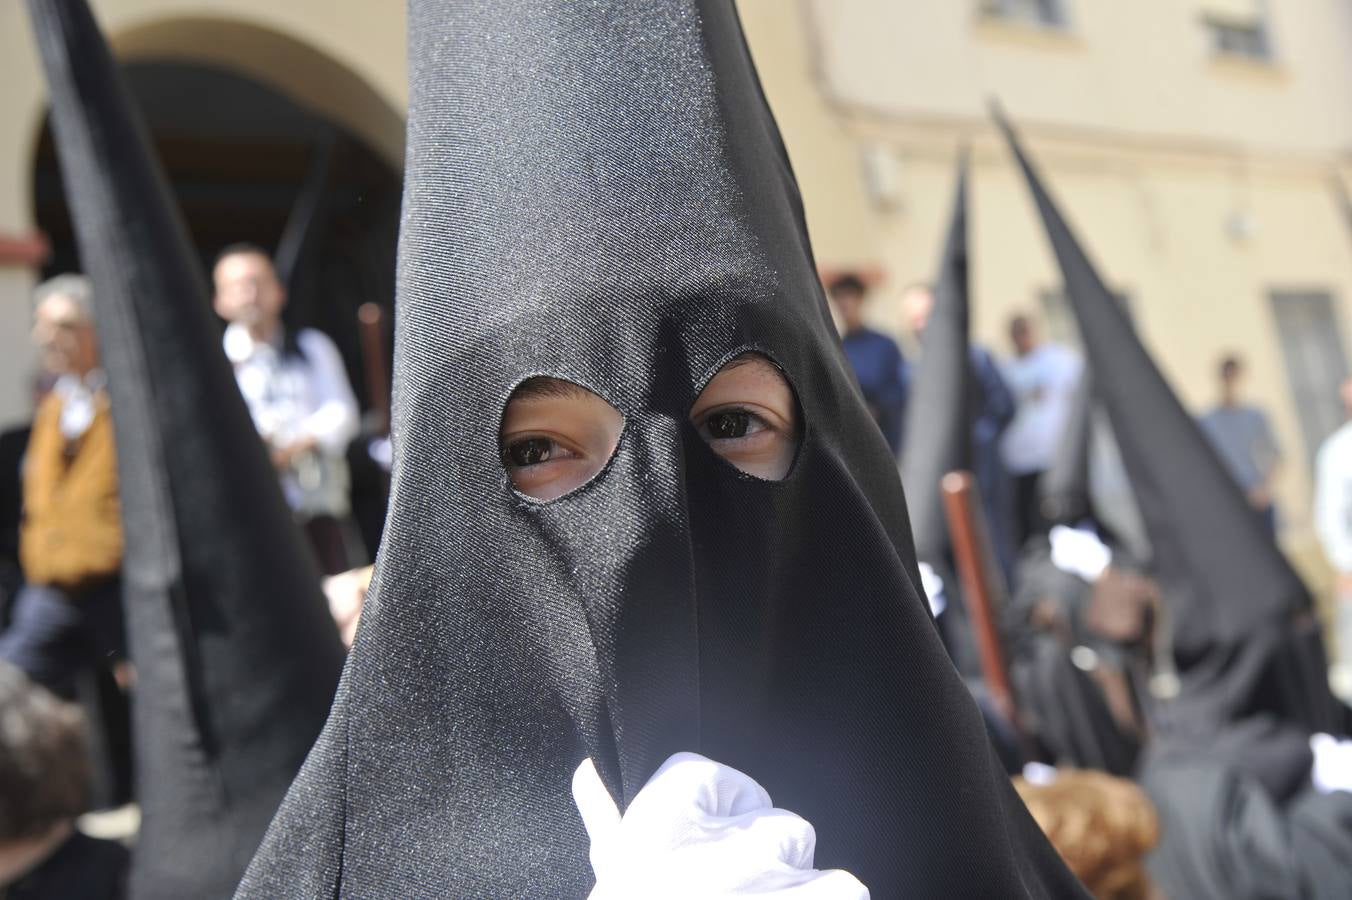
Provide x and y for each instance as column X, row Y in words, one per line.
column 939, row 406
column 236, row 657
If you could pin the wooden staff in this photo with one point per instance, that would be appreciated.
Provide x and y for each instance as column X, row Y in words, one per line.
column 983, row 588
column 371, row 319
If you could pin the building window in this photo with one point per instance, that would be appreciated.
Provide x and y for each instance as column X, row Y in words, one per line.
column 1315, row 362
column 1237, row 28
column 1243, row 39
column 1040, row 13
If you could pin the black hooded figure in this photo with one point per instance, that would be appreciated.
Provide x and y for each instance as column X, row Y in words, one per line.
column 1237, row 607
column 1229, row 764
column 235, row 654
column 598, row 193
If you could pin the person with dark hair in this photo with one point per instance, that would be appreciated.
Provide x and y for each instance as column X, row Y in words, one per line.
column 69, row 612
column 1242, row 436
column 876, row 359
column 299, row 397
column 44, row 785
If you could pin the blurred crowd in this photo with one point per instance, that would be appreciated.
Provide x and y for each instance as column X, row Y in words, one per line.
column 65, row 675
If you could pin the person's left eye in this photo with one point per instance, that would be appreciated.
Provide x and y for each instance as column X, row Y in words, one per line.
column 731, row 424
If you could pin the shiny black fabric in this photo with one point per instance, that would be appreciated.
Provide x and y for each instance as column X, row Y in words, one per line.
column 236, row 657
column 939, row 409
column 597, row 192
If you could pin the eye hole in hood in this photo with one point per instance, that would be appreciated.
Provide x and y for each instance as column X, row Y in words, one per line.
column 556, row 436
column 748, row 414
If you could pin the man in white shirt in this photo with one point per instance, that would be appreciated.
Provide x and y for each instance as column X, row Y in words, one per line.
column 1043, row 377
column 298, row 394
column 1333, row 522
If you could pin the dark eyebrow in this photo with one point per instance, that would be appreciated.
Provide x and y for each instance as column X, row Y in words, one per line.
column 751, row 357
column 542, row 387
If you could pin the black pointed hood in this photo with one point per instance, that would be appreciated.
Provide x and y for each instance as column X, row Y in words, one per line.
column 938, row 412
column 1223, row 575
column 235, row 655
column 596, row 192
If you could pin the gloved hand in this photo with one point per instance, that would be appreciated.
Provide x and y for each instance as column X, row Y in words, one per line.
column 1079, row 552
column 933, row 586
column 699, row 829
column 1332, row 770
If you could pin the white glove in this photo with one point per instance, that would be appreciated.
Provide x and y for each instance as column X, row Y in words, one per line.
column 1332, row 770
column 698, row 829
column 1079, row 552
column 933, row 586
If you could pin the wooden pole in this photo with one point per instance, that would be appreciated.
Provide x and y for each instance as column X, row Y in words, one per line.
column 983, row 588
column 371, row 319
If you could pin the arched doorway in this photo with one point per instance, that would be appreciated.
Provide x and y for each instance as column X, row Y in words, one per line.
column 241, row 158
column 265, row 155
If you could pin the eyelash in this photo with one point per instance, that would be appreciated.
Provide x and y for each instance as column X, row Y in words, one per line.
column 556, row 451
column 757, row 424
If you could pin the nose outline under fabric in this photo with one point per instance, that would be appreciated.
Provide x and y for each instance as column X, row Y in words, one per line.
column 639, row 606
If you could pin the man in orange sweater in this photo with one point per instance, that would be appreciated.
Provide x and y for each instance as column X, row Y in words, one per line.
column 69, row 612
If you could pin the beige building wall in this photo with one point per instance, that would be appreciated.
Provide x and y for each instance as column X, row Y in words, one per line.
column 1199, row 183
column 1155, row 147
column 344, row 58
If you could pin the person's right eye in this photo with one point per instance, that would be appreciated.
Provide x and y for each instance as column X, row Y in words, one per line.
column 555, row 436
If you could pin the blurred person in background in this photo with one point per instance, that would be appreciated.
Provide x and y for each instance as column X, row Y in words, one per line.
column 876, row 359
column 1242, row 436
column 1042, row 376
column 992, row 408
column 13, row 446
column 69, row 611
column 1333, row 522
column 44, row 786
column 299, row 398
